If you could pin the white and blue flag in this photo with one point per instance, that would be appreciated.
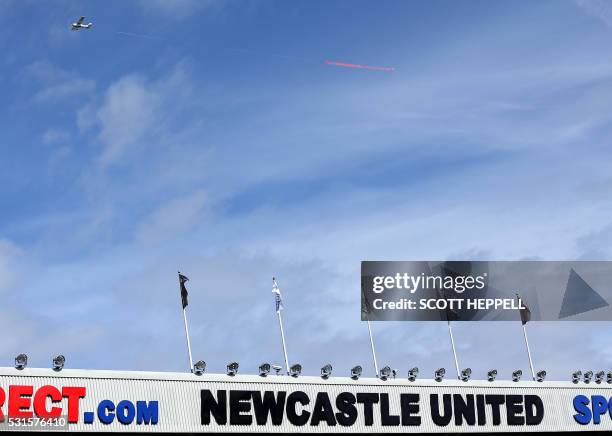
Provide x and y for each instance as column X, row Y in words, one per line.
column 277, row 295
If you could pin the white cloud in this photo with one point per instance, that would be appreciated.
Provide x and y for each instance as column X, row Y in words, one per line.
column 55, row 136
column 63, row 90
column 134, row 112
column 86, row 117
column 177, row 9
column 128, row 116
column 9, row 267
column 600, row 9
column 58, row 83
column 174, row 218
column 58, row 140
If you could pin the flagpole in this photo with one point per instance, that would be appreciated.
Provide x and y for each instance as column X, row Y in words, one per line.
column 280, row 323
column 450, row 332
column 184, row 302
column 279, row 307
column 373, row 350
column 529, row 353
column 188, row 342
column 525, row 314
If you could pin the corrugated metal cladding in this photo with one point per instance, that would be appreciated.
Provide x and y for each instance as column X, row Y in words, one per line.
column 179, row 400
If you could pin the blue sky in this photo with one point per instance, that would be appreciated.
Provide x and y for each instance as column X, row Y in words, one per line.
column 209, row 136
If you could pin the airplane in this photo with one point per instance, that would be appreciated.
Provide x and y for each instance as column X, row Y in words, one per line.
column 79, row 24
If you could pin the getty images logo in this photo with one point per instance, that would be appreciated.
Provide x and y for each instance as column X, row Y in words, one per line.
column 413, row 283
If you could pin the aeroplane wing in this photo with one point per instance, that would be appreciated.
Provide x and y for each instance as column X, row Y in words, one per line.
column 80, row 21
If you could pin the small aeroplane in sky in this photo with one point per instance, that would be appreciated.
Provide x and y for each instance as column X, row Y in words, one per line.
column 78, row 25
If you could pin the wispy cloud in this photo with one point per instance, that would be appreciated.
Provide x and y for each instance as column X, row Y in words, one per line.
column 178, row 9
column 134, row 112
column 58, row 83
column 128, row 117
column 174, row 218
column 9, row 254
column 600, row 9
column 55, row 135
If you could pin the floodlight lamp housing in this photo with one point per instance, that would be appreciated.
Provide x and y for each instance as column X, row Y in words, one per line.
column 21, row 361
column 232, row 368
column 326, row 371
column 356, row 372
column 466, row 374
column 264, row 369
column 516, row 375
column 58, row 362
column 541, row 376
column 385, row 373
column 492, row 375
column 599, row 377
column 199, row 367
column 577, row 375
column 413, row 374
column 609, row 377
column 439, row 374
column 295, row 370
column 588, row 376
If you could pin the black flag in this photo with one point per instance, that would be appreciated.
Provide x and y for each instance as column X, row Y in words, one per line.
column 447, row 314
column 365, row 303
column 524, row 310
column 182, row 280
column 451, row 315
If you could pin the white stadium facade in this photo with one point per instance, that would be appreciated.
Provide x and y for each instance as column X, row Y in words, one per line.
column 116, row 401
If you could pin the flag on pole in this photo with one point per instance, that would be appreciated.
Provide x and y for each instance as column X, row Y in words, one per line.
column 525, row 318
column 447, row 314
column 184, row 293
column 365, row 306
column 277, row 295
column 524, row 310
column 451, row 315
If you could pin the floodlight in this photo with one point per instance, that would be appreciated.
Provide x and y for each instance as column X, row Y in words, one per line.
column 576, row 375
column 232, row 368
column 58, row 362
column 326, row 371
column 385, row 373
column 541, row 375
column 491, row 375
column 599, row 377
column 21, row 361
column 439, row 374
column 199, row 367
column 277, row 369
column 516, row 375
column 356, row 372
column 466, row 374
column 609, row 377
column 264, row 369
column 413, row 374
column 295, row 370
column 588, row 376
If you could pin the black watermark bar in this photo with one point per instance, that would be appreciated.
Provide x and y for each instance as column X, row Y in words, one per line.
column 486, row 291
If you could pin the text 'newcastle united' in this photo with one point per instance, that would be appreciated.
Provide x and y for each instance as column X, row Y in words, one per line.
column 244, row 407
